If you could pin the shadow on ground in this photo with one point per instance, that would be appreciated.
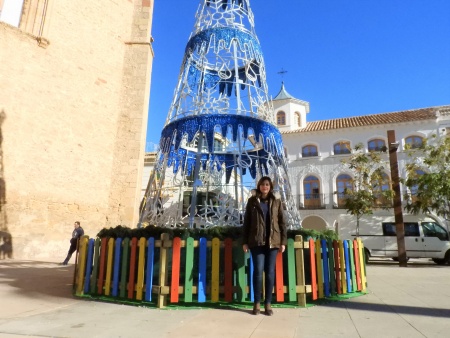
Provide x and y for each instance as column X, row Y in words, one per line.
column 413, row 262
column 395, row 309
column 37, row 279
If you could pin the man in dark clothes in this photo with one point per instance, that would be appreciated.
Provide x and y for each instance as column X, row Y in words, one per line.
column 76, row 234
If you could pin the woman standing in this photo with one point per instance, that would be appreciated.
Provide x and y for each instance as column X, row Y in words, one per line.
column 265, row 236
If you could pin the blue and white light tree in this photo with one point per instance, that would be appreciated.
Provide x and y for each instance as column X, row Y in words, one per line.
column 220, row 135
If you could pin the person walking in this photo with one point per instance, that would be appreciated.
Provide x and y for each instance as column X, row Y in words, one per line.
column 264, row 235
column 76, row 234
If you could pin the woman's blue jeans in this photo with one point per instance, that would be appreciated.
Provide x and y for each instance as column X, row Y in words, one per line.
column 264, row 259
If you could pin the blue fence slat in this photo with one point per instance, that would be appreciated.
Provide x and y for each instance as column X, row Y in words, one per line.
column 202, row 271
column 87, row 276
column 150, row 266
column 347, row 267
column 116, row 268
column 326, row 268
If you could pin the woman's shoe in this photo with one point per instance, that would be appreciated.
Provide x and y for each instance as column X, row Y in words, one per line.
column 268, row 310
column 256, row 309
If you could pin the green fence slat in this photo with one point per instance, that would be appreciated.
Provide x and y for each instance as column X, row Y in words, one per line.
column 240, row 258
column 95, row 267
column 189, row 272
column 124, row 267
column 292, row 284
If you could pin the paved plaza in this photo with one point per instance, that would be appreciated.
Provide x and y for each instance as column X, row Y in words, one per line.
column 36, row 301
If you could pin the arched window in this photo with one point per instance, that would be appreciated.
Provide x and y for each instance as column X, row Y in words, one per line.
column 413, row 142
column 377, row 145
column 298, row 120
column 343, row 182
column 309, row 150
column 342, row 147
column 281, row 118
column 312, row 197
column 381, row 184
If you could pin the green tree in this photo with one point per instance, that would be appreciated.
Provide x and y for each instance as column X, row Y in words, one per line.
column 371, row 188
column 428, row 177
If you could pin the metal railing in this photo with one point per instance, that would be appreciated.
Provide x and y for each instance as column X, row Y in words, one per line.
column 333, row 201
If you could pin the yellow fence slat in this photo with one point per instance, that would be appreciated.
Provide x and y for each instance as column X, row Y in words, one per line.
column 141, row 265
column 163, row 275
column 109, row 263
column 363, row 264
column 319, row 268
column 82, row 249
column 300, row 270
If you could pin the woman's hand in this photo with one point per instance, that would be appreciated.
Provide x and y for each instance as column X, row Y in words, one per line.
column 245, row 247
column 282, row 248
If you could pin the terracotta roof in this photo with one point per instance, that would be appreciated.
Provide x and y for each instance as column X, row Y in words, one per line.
column 370, row 120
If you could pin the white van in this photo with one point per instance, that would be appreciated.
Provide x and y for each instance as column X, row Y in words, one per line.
column 425, row 236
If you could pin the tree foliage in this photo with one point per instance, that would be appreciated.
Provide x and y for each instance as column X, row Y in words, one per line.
column 428, row 177
column 369, row 182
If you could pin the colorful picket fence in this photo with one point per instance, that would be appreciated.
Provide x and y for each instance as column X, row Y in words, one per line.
column 161, row 270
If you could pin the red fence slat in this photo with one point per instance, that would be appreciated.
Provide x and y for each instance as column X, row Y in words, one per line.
column 337, row 267
column 131, row 277
column 101, row 273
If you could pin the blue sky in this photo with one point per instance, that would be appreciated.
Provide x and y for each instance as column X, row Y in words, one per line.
column 345, row 57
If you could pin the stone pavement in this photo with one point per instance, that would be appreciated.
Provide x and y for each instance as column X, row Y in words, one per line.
column 36, row 301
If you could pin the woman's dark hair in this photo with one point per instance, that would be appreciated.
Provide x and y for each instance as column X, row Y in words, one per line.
column 261, row 180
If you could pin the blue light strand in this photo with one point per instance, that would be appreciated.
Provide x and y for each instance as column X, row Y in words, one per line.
column 188, row 127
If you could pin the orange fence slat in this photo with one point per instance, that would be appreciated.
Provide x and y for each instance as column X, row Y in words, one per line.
column 174, row 285
column 312, row 261
column 279, row 278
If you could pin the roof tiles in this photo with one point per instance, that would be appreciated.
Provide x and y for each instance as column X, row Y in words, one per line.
column 370, row 120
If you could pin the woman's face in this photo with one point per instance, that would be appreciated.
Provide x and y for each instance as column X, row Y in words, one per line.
column 264, row 187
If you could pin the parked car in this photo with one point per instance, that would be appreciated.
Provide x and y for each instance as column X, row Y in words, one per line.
column 425, row 236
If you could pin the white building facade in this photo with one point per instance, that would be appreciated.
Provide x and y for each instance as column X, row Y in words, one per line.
column 315, row 151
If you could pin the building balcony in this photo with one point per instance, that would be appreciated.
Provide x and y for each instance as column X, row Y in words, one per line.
column 311, row 201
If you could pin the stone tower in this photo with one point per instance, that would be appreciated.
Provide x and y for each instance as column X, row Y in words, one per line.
column 220, row 135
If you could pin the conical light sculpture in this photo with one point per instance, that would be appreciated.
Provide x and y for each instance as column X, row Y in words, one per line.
column 220, row 135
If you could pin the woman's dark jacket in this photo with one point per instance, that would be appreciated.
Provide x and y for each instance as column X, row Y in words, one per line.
column 254, row 233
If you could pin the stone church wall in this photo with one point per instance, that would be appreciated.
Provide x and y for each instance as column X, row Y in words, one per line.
column 74, row 97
